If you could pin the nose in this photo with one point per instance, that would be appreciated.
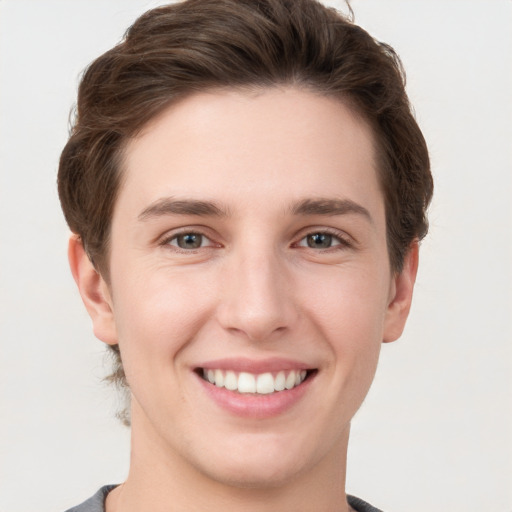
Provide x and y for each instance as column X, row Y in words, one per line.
column 257, row 299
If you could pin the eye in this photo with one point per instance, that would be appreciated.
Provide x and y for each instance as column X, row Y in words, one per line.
column 189, row 241
column 322, row 240
column 319, row 241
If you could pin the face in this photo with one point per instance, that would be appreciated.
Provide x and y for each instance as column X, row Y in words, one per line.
column 250, row 284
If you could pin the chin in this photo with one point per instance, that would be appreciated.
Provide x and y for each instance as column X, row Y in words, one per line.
column 257, row 465
column 248, row 476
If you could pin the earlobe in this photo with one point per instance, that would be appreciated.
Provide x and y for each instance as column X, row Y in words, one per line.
column 401, row 296
column 93, row 290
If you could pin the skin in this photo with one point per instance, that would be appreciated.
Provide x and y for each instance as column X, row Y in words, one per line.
column 253, row 289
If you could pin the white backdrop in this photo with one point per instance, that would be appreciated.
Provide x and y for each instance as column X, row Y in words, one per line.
column 436, row 430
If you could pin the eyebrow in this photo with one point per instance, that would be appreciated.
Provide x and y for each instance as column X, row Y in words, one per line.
column 170, row 206
column 329, row 207
column 309, row 206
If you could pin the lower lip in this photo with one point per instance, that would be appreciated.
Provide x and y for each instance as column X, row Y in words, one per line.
column 250, row 405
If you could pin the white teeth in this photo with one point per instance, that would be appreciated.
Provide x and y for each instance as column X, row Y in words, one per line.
column 290, row 381
column 246, row 383
column 219, row 379
column 264, row 383
column 231, row 382
column 279, row 383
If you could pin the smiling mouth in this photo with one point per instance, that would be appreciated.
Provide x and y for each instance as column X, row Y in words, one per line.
column 262, row 383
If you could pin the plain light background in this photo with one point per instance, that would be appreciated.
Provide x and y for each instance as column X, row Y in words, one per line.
column 435, row 433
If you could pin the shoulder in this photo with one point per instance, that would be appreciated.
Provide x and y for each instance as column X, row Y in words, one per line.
column 361, row 506
column 95, row 503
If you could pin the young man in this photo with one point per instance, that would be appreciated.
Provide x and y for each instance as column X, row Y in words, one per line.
column 247, row 188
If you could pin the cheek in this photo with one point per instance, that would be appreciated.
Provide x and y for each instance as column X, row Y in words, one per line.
column 348, row 304
column 354, row 331
column 349, row 312
column 156, row 316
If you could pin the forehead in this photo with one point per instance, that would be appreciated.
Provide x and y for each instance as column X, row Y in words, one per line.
column 270, row 145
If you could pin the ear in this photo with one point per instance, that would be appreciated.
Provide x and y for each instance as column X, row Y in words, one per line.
column 400, row 297
column 94, row 292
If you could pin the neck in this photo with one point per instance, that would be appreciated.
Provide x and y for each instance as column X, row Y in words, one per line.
column 160, row 476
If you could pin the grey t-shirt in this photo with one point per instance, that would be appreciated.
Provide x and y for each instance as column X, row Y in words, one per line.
column 96, row 503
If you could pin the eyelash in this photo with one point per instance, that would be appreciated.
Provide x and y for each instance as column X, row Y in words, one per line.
column 175, row 236
column 341, row 241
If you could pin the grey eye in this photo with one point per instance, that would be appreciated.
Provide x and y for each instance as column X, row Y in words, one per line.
column 319, row 240
column 189, row 241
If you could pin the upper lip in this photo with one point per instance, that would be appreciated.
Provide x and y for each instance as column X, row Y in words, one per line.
column 254, row 366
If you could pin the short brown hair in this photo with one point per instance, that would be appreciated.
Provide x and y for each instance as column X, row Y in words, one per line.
column 178, row 49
